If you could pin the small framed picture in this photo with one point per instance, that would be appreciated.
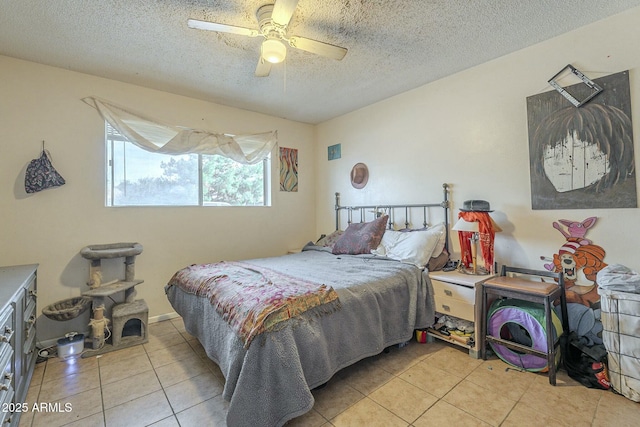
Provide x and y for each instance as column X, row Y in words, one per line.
column 333, row 152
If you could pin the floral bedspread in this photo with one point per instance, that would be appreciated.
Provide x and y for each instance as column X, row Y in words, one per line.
column 253, row 299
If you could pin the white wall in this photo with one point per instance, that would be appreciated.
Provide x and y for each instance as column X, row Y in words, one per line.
column 43, row 103
column 470, row 130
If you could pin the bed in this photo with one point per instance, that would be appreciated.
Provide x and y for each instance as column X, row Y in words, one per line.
column 351, row 306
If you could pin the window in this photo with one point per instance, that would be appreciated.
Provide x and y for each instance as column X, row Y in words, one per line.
column 136, row 177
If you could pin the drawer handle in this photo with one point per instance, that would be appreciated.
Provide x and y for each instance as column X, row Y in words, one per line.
column 33, row 294
column 8, row 376
column 447, row 292
column 31, row 320
column 446, row 307
column 4, row 387
column 8, row 334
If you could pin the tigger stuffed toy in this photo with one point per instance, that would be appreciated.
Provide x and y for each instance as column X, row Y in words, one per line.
column 573, row 257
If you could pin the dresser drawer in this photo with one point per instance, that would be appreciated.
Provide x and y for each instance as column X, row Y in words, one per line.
column 452, row 290
column 456, row 308
column 6, row 325
column 29, row 320
column 6, row 399
column 30, row 293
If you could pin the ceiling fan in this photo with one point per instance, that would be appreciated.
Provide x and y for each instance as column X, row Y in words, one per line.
column 272, row 22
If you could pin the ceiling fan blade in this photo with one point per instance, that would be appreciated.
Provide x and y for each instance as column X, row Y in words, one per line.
column 319, row 48
column 264, row 67
column 221, row 28
column 283, row 11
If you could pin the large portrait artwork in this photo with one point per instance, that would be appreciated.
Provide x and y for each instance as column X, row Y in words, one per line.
column 582, row 157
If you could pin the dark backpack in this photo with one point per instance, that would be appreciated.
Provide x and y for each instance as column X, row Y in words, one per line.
column 585, row 364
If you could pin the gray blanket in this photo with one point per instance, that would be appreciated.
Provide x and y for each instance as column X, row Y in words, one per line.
column 269, row 383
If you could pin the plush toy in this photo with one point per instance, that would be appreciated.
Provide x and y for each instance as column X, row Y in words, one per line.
column 576, row 230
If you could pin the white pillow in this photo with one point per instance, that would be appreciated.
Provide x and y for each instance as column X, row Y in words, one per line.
column 416, row 247
column 439, row 228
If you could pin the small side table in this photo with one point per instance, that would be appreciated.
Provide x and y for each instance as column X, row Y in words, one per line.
column 458, row 295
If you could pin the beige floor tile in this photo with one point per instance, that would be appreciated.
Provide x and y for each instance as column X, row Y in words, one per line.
column 69, row 385
column 57, row 368
column 70, row 409
column 390, row 388
column 335, row 397
column 171, row 421
column 159, row 329
column 32, row 393
column 403, row 399
column 524, row 416
column 489, row 406
column 455, row 360
column 498, row 376
column 164, row 341
column 213, row 367
column 396, row 360
column 310, row 419
column 130, row 388
column 615, row 409
column 180, row 370
column 122, row 369
column 120, row 355
column 188, row 337
column 96, row 420
column 433, row 347
column 423, row 350
column 142, row 411
column 197, row 348
column 444, row 414
column 178, row 323
column 430, row 379
column 568, row 401
column 164, row 356
column 368, row 413
column 26, row 418
column 365, row 376
column 38, row 373
column 193, row 391
column 210, row 413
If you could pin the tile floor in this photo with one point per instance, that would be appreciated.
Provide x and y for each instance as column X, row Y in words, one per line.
column 170, row 382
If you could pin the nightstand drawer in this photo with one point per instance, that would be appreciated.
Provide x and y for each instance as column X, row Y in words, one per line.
column 451, row 290
column 456, row 308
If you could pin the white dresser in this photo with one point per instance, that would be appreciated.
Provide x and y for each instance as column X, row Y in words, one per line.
column 17, row 338
column 457, row 295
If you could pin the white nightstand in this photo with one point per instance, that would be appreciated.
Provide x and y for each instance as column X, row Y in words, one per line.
column 457, row 295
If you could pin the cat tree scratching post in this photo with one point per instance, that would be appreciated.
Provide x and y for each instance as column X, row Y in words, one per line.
column 129, row 318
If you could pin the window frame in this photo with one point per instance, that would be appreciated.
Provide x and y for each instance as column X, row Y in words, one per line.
column 112, row 137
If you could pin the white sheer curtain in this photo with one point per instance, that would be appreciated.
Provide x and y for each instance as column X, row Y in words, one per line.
column 156, row 137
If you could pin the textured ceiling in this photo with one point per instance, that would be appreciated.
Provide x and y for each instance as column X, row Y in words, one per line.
column 394, row 45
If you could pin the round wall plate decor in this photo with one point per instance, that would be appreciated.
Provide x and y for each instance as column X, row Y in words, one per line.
column 359, row 175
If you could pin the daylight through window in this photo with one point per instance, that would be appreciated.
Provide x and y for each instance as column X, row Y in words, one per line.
column 136, row 177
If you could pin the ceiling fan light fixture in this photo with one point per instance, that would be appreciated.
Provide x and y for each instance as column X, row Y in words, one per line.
column 273, row 50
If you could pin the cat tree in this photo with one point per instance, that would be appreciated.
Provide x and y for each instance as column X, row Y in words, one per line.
column 130, row 318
